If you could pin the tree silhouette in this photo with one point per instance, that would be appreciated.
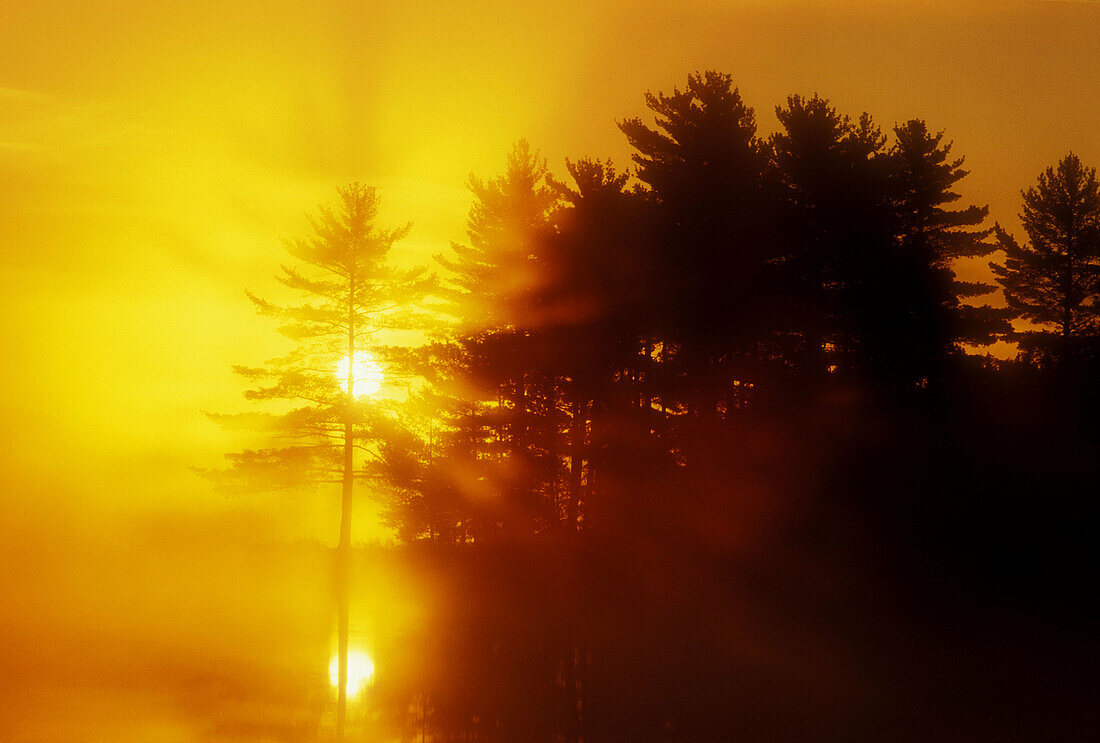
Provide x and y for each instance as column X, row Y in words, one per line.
column 702, row 169
column 351, row 293
column 831, row 237
column 933, row 235
column 1052, row 280
column 492, row 288
column 867, row 244
column 490, row 279
column 675, row 418
column 601, row 292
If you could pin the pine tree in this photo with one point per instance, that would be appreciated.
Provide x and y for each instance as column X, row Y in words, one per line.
column 702, row 171
column 934, row 236
column 600, row 290
column 830, row 233
column 1052, row 280
column 492, row 289
column 351, row 292
column 491, row 278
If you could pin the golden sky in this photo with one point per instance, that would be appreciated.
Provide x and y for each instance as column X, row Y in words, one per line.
column 154, row 154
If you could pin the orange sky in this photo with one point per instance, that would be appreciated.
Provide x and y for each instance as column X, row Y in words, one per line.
column 154, row 154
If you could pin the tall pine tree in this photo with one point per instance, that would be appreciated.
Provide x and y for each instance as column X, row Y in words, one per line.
column 934, row 236
column 350, row 291
column 1052, row 280
column 702, row 168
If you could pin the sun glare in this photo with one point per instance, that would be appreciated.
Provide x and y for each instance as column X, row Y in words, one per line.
column 360, row 671
column 367, row 374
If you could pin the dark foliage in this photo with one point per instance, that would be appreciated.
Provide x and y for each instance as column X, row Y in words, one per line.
column 1053, row 279
column 704, row 460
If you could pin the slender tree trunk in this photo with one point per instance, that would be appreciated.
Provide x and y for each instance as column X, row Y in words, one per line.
column 1067, row 292
column 576, row 463
column 343, row 547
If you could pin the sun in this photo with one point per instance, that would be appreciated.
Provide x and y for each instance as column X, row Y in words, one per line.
column 367, row 374
column 360, row 671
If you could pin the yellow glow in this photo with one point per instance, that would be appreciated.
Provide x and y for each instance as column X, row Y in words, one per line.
column 367, row 374
column 360, row 671
column 153, row 156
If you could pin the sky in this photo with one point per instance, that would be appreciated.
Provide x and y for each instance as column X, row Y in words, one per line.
column 153, row 156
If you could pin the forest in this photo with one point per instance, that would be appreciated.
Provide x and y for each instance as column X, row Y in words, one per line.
column 709, row 446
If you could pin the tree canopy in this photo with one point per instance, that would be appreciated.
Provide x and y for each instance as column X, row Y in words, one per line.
column 1052, row 279
column 664, row 413
column 351, row 292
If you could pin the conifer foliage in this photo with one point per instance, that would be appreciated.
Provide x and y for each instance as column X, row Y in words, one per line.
column 1052, row 279
column 662, row 410
column 349, row 291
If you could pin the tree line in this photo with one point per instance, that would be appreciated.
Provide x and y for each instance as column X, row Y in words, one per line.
column 646, row 392
column 734, row 272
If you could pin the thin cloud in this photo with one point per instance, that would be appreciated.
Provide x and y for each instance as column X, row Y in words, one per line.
column 19, row 94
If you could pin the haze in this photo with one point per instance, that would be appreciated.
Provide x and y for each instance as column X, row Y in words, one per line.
column 154, row 155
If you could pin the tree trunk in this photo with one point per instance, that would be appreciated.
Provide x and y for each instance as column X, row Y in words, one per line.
column 576, row 463
column 343, row 550
column 343, row 547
